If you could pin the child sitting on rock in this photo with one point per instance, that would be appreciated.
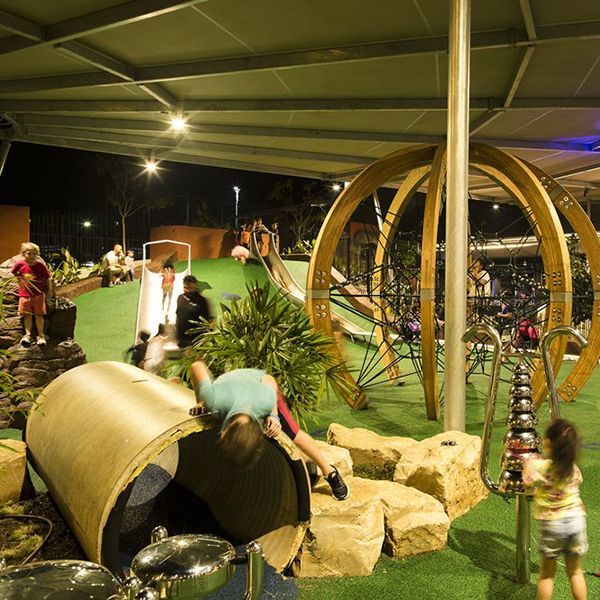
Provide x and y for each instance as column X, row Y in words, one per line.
column 33, row 276
column 250, row 404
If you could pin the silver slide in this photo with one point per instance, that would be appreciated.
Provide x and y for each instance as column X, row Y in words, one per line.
column 150, row 308
column 284, row 281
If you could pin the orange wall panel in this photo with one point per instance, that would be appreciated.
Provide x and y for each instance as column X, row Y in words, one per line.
column 14, row 229
column 206, row 242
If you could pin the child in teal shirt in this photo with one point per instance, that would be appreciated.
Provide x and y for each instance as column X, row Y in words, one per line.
column 251, row 406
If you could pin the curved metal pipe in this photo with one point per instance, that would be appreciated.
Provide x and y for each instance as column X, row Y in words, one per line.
column 547, row 339
column 488, row 331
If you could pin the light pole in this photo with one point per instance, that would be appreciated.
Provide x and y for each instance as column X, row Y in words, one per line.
column 236, row 189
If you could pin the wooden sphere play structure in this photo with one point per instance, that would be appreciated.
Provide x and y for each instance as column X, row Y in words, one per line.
column 540, row 197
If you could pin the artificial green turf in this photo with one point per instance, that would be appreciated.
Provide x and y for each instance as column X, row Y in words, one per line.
column 478, row 561
column 106, row 316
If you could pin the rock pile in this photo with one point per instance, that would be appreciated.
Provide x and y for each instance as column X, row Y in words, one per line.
column 434, row 481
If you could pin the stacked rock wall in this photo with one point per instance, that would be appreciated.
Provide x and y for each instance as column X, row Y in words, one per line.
column 33, row 368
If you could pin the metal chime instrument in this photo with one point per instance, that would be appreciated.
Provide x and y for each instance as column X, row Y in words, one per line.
column 521, row 441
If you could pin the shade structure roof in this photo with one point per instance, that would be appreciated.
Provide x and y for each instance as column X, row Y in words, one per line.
column 301, row 87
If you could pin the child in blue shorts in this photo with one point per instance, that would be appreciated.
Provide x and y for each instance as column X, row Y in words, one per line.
column 558, row 508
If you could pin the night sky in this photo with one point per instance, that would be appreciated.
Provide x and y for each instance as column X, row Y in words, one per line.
column 47, row 177
column 44, row 177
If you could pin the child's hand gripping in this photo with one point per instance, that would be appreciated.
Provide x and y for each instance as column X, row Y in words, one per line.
column 272, row 426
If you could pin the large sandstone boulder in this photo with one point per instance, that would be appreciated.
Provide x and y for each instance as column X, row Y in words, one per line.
column 13, row 463
column 37, row 366
column 445, row 466
column 414, row 521
column 336, row 456
column 344, row 539
column 374, row 456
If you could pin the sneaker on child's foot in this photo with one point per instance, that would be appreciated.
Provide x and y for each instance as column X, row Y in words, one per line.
column 26, row 341
column 339, row 489
column 41, row 340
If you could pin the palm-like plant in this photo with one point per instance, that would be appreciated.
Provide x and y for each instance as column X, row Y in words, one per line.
column 67, row 270
column 266, row 331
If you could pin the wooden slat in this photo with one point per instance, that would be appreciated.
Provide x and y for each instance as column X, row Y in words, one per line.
column 522, row 185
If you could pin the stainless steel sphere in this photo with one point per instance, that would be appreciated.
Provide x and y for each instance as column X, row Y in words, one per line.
column 511, row 483
column 522, row 441
column 147, row 594
column 520, row 391
column 522, row 421
column 521, row 369
column 515, row 461
column 521, row 378
column 521, row 405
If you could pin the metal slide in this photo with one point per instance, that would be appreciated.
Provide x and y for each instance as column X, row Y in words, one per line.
column 284, row 281
column 150, row 310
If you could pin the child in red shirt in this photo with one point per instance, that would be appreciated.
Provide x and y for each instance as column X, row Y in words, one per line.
column 33, row 276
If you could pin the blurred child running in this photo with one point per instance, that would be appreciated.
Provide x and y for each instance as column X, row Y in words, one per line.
column 558, row 508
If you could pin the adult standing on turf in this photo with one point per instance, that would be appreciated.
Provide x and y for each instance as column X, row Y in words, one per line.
column 191, row 307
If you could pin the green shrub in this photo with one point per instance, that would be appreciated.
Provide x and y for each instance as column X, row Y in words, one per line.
column 266, row 331
column 68, row 270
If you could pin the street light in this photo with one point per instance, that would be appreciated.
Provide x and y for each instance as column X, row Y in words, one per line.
column 151, row 166
column 237, row 190
column 336, row 187
column 87, row 224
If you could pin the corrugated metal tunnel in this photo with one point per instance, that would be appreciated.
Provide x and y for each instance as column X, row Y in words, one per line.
column 100, row 427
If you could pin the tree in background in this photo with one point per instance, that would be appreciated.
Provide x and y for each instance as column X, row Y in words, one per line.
column 127, row 189
column 302, row 207
column 583, row 291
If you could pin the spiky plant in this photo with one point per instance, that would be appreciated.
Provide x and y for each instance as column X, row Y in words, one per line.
column 266, row 331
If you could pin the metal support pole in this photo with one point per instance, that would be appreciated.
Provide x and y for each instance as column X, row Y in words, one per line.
column 236, row 189
column 523, row 538
column 4, row 150
column 456, row 215
column 378, row 212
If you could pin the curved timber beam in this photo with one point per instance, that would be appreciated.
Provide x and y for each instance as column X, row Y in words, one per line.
column 318, row 304
column 570, row 208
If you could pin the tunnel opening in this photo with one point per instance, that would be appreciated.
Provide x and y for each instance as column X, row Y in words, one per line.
column 188, row 488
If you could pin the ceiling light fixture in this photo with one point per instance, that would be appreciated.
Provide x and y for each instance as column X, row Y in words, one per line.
column 178, row 123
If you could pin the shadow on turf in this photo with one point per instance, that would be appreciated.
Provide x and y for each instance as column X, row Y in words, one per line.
column 495, row 553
